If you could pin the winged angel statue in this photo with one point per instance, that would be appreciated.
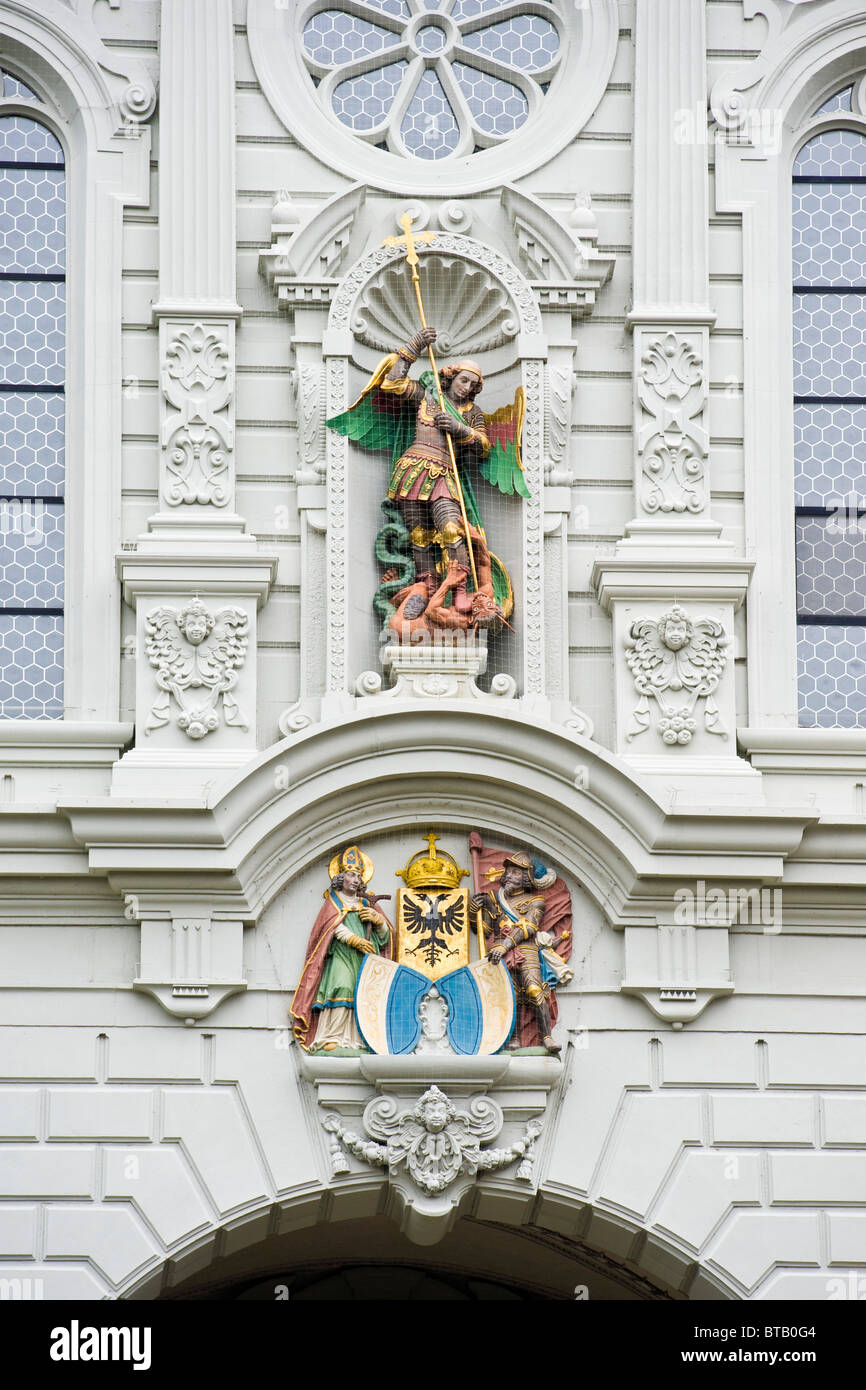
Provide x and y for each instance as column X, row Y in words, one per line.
column 194, row 650
column 676, row 661
column 433, row 1140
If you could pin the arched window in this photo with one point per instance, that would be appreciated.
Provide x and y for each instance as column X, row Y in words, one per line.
column 32, row 410
column 829, row 217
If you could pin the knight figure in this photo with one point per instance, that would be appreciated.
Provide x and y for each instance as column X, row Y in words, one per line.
column 431, row 491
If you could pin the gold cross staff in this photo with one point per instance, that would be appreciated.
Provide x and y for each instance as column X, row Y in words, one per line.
column 411, row 243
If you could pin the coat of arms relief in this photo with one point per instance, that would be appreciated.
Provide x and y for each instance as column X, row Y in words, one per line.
column 431, row 1004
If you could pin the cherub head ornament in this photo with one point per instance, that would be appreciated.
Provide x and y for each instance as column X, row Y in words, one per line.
column 195, row 622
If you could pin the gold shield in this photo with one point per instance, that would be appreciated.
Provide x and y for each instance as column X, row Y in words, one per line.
column 433, row 930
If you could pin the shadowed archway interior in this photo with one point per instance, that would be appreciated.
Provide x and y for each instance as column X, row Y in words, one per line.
column 477, row 1261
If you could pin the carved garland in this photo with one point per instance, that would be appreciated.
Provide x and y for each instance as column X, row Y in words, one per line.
column 676, row 661
column 197, row 656
column 431, row 1141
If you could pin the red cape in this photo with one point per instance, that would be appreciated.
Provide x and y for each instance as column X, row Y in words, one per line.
column 304, row 1020
column 556, row 920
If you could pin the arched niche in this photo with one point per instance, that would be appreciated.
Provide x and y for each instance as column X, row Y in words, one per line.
column 505, row 333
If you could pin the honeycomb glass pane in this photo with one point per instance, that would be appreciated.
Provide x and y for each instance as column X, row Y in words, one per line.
column 834, row 154
column 527, row 42
column 468, row 9
column 32, row 329
column 28, row 142
column 31, row 666
column 31, row 554
column 33, row 220
column 431, row 38
column 15, row 90
column 498, row 108
column 831, row 566
column 832, row 676
column 398, row 8
column 32, row 444
column 429, row 128
column 840, row 102
column 363, row 102
column 829, row 222
column 830, row 456
column 334, row 37
column 829, row 344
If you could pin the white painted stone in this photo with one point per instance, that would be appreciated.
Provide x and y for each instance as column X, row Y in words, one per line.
column 703, row 1189
column 40, row 1171
column 817, row 1061
column 19, row 1113
column 652, row 1130
column 158, row 1181
column 844, row 1120
column 159, row 1053
column 818, row 1178
column 763, row 1119
column 701, row 1059
column 753, row 1241
column 262, row 1069
column 218, row 1142
column 18, row 1230
column 600, row 1071
column 847, row 1231
column 110, row 1113
column 112, row 1236
column 44, row 1052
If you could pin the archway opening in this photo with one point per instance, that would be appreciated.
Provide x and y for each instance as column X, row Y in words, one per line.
column 371, row 1260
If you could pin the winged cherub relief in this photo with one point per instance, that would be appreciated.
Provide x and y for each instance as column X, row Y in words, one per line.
column 196, row 655
column 677, row 661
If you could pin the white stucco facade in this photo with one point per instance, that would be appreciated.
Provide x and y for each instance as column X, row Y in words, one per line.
column 627, row 263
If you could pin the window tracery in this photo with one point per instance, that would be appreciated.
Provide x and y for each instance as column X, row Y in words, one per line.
column 433, row 80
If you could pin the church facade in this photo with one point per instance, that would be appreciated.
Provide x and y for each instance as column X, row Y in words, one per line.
column 581, row 611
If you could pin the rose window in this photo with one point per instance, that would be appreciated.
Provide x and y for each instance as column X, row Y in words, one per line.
column 428, row 79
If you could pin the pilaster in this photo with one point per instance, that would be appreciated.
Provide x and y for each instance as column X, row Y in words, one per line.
column 195, row 578
column 673, row 585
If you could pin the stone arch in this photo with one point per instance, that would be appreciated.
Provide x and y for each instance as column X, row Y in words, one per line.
column 279, row 1238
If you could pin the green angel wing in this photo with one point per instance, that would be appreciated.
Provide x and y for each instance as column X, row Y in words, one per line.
column 503, row 467
column 377, row 419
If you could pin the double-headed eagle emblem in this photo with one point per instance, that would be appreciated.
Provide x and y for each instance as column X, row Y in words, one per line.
column 433, row 914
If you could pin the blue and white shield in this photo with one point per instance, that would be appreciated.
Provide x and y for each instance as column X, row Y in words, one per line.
column 480, row 999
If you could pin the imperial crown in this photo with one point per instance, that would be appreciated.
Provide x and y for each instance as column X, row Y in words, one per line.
column 427, row 869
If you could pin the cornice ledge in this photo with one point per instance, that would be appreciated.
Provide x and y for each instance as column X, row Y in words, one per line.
column 265, row 822
column 54, row 736
column 705, row 571
column 833, row 752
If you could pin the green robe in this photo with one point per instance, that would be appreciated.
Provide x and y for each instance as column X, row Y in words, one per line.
column 343, row 965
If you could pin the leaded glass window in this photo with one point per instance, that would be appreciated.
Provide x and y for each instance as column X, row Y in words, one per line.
column 32, row 410
column 427, row 79
column 829, row 217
